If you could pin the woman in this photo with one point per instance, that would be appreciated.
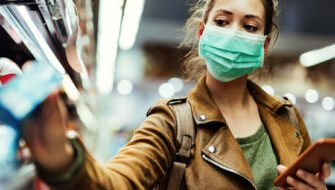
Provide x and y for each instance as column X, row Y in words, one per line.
column 240, row 137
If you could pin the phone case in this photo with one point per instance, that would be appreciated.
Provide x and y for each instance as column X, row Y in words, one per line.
column 310, row 161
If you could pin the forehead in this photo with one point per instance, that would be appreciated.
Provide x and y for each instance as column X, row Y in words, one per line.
column 246, row 7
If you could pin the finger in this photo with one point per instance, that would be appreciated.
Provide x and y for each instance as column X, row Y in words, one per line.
column 282, row 188
column 30, row 128
column 296, row 184
column 325, row 172
column 52, row 117
column 285, row 188
column 281, row 168
column 309, row 178
column 62, row 110
column 37, row 126
column 42, row 122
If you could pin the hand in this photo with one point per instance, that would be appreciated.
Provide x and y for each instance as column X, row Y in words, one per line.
column 44, row 132
column 307, row 180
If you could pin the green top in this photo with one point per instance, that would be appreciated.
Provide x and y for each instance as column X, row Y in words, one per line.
column 262, row 158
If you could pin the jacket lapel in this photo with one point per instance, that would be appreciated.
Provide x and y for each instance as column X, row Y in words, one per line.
column 228, row 154
column 282, row 133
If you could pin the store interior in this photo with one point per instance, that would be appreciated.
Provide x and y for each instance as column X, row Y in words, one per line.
column 118, row 58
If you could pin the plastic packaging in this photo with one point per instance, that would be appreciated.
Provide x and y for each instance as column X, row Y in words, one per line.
column 8, row 158
column 20, row 96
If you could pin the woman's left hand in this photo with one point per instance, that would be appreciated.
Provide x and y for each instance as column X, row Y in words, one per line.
column 307, row 180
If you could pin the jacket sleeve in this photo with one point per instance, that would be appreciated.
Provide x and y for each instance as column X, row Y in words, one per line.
column 303, row 131
column 139, row 164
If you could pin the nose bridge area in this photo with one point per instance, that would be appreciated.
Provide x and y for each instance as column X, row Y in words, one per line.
column 236, row 24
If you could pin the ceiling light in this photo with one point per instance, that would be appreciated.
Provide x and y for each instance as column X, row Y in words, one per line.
column 110, row 14
column 130, row 23
column 317, row 56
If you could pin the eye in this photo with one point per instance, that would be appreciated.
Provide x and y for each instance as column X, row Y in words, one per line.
column 250, row 28
column 221, row 22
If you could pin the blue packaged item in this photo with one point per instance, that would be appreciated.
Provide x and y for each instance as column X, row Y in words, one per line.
column 20, row 96
column 8, row 157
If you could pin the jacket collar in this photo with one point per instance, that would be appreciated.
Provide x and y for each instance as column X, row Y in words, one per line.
column 205, row 109
column 203, row 106
column 261, row 97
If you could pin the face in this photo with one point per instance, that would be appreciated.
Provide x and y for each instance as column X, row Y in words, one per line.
column 242, row 15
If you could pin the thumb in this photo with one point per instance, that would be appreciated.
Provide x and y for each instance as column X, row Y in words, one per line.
column 281, row 168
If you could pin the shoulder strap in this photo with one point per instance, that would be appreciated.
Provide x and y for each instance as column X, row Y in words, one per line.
column 185, row 140
column 290, row 115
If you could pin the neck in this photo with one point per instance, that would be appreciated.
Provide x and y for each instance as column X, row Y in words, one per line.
column 230, row 95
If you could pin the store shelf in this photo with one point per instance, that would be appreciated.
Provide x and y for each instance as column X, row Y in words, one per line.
column 47, row 32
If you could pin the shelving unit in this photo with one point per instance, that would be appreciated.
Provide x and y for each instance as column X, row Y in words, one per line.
column 55, row 32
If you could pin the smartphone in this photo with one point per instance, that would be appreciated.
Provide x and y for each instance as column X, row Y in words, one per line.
column 322, row 150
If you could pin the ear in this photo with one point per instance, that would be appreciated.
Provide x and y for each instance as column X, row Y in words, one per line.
column 267, row 43
column 201, row 28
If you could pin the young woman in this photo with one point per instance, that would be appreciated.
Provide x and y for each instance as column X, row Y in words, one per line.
column 240, row 136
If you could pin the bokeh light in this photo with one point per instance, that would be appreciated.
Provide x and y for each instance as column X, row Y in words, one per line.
column 177, row 84
column 166, row 90
column 312, row 96
column 269, row 89
column 291, row 97
column 328, row 103
column 125, row 87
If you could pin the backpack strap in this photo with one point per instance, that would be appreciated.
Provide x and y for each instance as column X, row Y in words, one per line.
column 289, row 114
column 185, row 140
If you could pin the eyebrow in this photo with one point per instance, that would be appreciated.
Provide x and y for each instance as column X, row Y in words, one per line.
column 224, row 11
column 246, row 16
column 254, row 17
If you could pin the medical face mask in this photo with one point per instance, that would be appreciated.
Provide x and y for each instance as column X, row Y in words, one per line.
column 230, row 54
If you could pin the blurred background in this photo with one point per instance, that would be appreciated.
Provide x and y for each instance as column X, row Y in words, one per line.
column 128, row 59
column 148, row 64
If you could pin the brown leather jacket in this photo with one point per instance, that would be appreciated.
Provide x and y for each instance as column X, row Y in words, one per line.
column 146, row 159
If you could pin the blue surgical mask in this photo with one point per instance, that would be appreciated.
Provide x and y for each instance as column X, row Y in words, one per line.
column 230, row 54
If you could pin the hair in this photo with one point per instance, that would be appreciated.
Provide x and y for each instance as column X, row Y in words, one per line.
column 193, row 66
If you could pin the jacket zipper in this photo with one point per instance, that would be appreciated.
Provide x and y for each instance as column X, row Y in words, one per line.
column 227, row 169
